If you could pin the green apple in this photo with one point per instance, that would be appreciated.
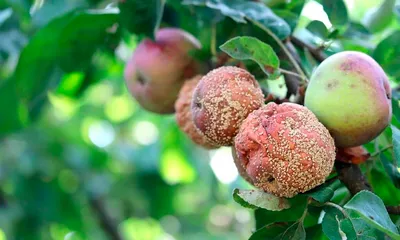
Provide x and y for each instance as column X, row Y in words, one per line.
column 350, row 94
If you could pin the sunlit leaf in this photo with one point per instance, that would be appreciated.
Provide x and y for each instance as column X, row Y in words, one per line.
column 264, row 217
column 318, row 28
column 337, row 11
column 387, row 52
column 241, row 11
column 260, row 199
column 249, row 48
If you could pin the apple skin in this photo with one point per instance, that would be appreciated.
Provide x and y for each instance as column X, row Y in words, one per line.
column 158, row 69
column 223, row 98
column 350, row 94
column 284, row 150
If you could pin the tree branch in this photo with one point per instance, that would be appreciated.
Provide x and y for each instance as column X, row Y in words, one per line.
column 315, row 52
column 106, row 222
column 393, row 209
column 352, row 177
column 292, row 82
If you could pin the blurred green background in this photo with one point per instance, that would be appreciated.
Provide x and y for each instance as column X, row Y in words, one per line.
column 92, row 160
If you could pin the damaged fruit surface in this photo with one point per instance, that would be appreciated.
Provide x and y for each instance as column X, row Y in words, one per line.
column 184, row 114
column 350, row 94
column 284, row 149
column 222, row 100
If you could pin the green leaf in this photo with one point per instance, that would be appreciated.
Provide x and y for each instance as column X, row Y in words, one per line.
column 260, row 199
column 80, row 38
column 5, row 14
column 396, row 107
column 357, row 31
column 291, row 18
column 296, row 231
column 391, row 169
column 382, row 185
column 371, row 208
column 35, row 66
column 325, row 192
column 337, row 12
column 333, row 34
column 281, row 231
column 318, row 28
column 378, row 18
column 271, row 231
column 336, row 225
column 387, row 54
column 52, row 9
column 241, row 11
column 396, row 144
column 249, row 48
column 264, row 217
column 295, row 6
column 66, row 42
column 141, row 16
column 14, row 113
column 315, row 233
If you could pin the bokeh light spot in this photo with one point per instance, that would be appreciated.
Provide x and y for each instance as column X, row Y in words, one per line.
column 101, row 134
column 175, row 169
column 99, row 94
column 143, row 229
column 119, row 108
column 314, row 11
column 221, row 216
column 63, row 107
column 223, row 166
column 242, row 216
column 170, row 224
column 58, row 231
column 145, row 133
column 2, row 235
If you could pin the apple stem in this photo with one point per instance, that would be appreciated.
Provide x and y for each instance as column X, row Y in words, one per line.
column 304, row 78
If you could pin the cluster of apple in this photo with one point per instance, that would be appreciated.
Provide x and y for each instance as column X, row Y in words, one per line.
column 283, row 149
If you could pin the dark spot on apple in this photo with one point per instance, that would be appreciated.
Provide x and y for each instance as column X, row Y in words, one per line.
column 350, row 65
column 270, row 179
column 332, row 84
column 353, row 86
column 141, row 79
column 198, row 105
